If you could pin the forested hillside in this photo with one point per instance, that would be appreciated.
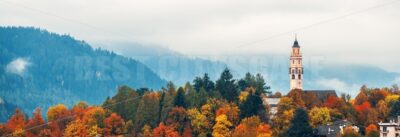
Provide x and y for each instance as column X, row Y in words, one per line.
column 226, row 107
column 40, row 69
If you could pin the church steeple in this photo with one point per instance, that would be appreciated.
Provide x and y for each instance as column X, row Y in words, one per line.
column 296, row 43
column 296, row 67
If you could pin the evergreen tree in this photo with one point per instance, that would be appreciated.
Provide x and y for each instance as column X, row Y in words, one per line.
column 226, row 86
column 300, row 127
column 242, row 84
column 253, row 105
column 197, row 83
column 260, row 85
column 179, row 100
column 246, row 82
column 208, row 84
column 395, row 110
column 167, row 100
column 204, row 82
column 256, row 82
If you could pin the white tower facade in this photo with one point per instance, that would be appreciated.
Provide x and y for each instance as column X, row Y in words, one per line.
column 296, row 67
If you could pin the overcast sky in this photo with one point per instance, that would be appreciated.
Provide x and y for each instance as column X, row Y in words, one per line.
column 350, row 31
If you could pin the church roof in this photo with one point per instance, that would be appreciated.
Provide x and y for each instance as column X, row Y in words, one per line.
column 322, row 94
column 296, row 44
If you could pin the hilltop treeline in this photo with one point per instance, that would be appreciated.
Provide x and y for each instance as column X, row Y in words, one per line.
column 221, row 108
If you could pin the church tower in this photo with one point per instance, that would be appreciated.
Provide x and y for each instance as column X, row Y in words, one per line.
column 296, row 67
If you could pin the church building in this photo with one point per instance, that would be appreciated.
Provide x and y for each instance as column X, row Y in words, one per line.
column 296, row 72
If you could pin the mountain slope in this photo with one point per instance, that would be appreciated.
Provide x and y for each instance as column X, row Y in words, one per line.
column 169, row 64
column 40, row 69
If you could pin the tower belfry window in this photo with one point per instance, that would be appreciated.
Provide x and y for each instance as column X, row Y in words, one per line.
column 293, row 77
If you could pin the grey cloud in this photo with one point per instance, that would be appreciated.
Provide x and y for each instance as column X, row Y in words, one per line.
column 213, row 28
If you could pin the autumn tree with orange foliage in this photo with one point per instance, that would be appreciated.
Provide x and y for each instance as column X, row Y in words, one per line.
column 146, row 131
column 252, row 127
column 231, row 110
column 222, row 126
column 35, row 124
column 281, row 121
column 319, row 116
column 60, row 116
column 79, row 109
column 372, row 131
column 376, row 95
column 296, row 96
column 17, row 121
column 362, row 96
column 94, row 116
column 383, row 110
column 333, row 102
column 366, row 114
column 200, row 124
column 76, row 129
column 177, row 118
column 164, row 131
column 114, row 125
column 187, row 131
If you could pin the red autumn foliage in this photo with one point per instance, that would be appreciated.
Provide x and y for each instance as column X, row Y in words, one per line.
column 221, row 111
column 35, row 124
column 370, row 128
column 53, row 129
column 113, row 125
column 332, row 102
column 17, row 121
column 164, row 131
column 364, row 106
column 176, row 118
column 187, row 132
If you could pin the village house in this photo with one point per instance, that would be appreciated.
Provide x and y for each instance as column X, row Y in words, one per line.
column 390, row 129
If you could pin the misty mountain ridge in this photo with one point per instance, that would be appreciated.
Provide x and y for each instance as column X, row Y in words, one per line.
column 41, row 69
column 170, row 65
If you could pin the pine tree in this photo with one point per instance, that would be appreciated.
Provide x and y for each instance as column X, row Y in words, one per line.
column 226, row 86
column 253, row 105
column 179, row 100
column 167, row 101
column 395, row 111
column 260, row 85
column 300, row 127
column 208, row 84
column 204, row 82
